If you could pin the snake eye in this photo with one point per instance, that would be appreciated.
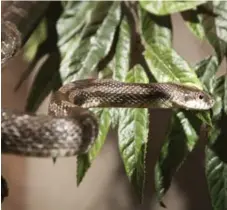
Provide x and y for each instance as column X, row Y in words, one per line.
column 201, row 96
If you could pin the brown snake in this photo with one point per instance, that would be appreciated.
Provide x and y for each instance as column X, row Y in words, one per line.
column 70, row 129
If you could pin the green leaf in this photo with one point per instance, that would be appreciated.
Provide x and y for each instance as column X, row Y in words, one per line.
column 172, row 155
column 204, row 116
column 122, row 61
column 192, row 21
column 83, row 165
column 218, row 133
column 74, row 17
column 213, row 18
column 167, row 66
column 164, row 63
column 133, row 135
column 86, row 18
column 123, row 51
column 169, row 7
column 33, row 50
column 106, row 115
column 206, row 70
column 106, row 118
column 38, row 36
column 84, row 161
column 181, row 140
column 190, row 132
column 183, row 136
column 104, row 125
column 155, row 29
column 216, row 172
column 100, row 44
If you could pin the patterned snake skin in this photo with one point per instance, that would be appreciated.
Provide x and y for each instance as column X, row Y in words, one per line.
column 70, row 129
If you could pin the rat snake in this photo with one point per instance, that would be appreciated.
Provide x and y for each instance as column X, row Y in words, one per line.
column 70, row 128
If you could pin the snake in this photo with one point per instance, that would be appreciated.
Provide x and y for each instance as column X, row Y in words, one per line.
column 70, row 128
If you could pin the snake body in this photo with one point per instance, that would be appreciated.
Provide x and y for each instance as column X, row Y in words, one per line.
column 17, row 25
column 70, row 128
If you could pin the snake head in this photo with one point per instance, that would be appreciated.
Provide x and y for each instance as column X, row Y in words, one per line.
column 192, row 98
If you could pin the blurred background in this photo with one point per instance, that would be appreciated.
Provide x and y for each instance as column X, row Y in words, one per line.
column 36, row 184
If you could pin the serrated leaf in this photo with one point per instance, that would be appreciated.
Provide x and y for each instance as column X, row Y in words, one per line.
column 83, row 164
column 169, row 7
column 104, row 125
column 74, row 48
column 133, row 134
column 84, row 161
column 106, row 116
column 172, row 155
column 100, row 44
column 72, row 20
column 206, row 70
column 190, row 132
column 216, row 172
column 213, row 17
column 122, row 61
column 164, row 63
column 192, row 21
column 167, row 66
column 181, row 140
column 123, row 51
column 183, row 136
column 155, row 29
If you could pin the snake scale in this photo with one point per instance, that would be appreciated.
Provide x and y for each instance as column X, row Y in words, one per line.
column 70, row 128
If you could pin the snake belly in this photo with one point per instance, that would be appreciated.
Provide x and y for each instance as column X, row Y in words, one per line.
column 70, row 128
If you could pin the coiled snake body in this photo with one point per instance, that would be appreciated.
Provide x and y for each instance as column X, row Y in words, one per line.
column 70, row 129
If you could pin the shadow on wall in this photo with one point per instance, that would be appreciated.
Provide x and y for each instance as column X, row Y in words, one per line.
column 38, row 184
